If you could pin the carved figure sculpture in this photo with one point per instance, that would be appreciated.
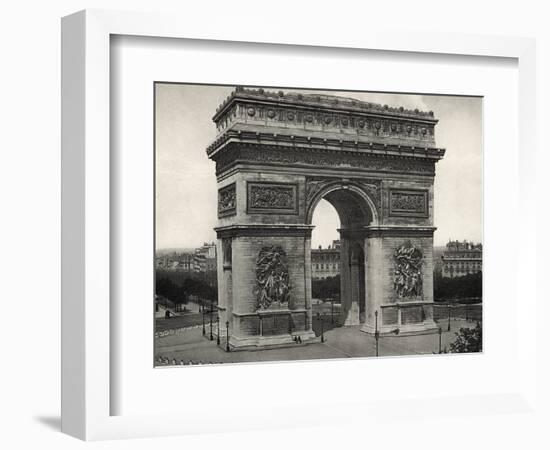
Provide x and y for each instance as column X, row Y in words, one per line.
column 271, row 197
column 227, row 198
column 407, row 279
column 272, row 283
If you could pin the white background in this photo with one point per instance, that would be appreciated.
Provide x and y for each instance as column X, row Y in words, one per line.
column 30, row 227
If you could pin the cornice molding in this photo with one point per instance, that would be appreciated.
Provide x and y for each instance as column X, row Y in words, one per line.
column 255, row 229
column 344, row 143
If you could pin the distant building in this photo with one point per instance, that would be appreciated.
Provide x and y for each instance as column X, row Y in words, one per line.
column 204, row 258
column 175, row 261
column 325, row 262
column 461, row 258
column 185, row 262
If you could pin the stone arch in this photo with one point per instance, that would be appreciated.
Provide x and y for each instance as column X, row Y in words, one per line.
column 356, row 210
column 368, row 206
column 277, row 155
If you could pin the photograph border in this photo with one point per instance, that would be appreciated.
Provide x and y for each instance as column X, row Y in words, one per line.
column 86, row 236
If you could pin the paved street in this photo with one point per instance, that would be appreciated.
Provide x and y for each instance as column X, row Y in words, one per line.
column 184, row 320
column 190, row 347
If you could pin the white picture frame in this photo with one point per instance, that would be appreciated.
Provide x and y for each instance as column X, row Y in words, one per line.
column 87, row 385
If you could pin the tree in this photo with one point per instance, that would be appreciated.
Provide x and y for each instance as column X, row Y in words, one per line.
column 167, row 288
column 326, row 288
column 177, row 287
column 467, row 286
column 469, row 340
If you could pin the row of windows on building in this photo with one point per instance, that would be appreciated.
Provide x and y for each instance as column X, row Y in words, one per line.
column 476, row 265
column 462, row 267
column 326, row 266
column 461, row 258
column 203, row 259
column 462, row 255
column 328, row 257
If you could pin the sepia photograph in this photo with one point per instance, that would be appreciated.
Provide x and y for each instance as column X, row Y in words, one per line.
column 298, row 224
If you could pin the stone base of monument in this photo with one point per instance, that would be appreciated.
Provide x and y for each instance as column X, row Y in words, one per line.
column 350, row 318
column 276, row 341
column 411, row 329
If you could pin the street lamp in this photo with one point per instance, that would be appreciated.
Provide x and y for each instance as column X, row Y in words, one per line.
column 449, row 322
column 211, row 313
column 218, row 338
column 203, row 328
column 440, row 331
column 332, row 311
column 376, row 334
column 320, row 317
column 227, row 336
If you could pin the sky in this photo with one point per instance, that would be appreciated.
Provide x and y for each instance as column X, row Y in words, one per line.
column 186, row 191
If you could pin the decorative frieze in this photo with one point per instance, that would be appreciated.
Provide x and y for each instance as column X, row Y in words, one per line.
column 227, row 201
column 411, row 203
column 407, row 278
column 272, row 198
column 308, row 157
column 272, row 280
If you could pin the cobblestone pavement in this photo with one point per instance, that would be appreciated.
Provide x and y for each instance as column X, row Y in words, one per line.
column 191, row 347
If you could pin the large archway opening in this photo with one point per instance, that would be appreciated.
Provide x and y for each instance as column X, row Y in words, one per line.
column 339, row 290
column 325, row 267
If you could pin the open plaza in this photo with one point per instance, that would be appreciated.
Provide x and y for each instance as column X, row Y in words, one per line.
column 192, row 344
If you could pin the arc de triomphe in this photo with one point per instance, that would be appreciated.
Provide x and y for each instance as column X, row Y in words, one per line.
column 277, row 155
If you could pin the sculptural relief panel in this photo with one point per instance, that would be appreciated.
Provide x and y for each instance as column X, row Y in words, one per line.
column 407, row 278
column 227, row 200
column 409, row 203
column 272, row 198
column 272, row 279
